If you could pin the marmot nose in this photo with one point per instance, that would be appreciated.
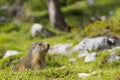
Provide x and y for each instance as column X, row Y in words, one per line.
column 48, row 45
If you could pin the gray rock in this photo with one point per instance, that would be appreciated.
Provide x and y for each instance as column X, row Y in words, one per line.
column 90, row 2
column 117, row 42
column 103, row 18
column 36, row 28
column 90, row 57
column 4, row 8
column 111, row 13
column 11, row 53
column 2, row 19
column 72, row 60
column 83, row 53
column 113, row 57
column 113, row 54
column 60, row 49
column 85, row 75
column 114, row 49
column 92, row 44
column 39, row 30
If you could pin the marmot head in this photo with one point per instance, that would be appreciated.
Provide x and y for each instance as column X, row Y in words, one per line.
column 40, row 48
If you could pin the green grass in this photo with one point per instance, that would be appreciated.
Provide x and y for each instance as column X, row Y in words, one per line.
column 55, row 70
column 17, row 37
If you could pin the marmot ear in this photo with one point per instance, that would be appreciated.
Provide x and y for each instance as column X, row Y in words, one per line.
column 33, row 45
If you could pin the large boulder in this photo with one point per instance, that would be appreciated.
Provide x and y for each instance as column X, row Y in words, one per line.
column 93, row 44
column 60, row 49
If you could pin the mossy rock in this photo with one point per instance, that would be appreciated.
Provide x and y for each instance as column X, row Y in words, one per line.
column 102, row 28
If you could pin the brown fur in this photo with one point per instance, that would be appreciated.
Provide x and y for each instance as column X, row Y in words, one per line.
column 35, row 59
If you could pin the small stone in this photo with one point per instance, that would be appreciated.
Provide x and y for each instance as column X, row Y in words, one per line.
column 39, row 30
column 90, row 2
column 85, row 75
column 60, row 49
column 11, row 53
column 103, row 18
column 36, row 28
column 90, row 57
column 63, row 67
column 111, row 13
column 73, row 59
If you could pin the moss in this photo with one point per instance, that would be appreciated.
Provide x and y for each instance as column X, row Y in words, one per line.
column 118, row 52
column 2, row 51
column 102, row 28
column 101, row 59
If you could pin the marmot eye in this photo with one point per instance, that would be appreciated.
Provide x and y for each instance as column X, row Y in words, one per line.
column 40, row 44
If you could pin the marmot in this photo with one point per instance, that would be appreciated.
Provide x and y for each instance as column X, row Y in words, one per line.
column 35, row 59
